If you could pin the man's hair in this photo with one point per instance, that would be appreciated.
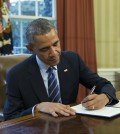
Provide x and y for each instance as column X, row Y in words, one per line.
column 38, row 27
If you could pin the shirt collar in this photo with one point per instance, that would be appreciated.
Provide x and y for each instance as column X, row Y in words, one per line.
column 42, row 65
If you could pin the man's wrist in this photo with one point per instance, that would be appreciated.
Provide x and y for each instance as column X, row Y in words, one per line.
column 34, row 110
column 110, row 99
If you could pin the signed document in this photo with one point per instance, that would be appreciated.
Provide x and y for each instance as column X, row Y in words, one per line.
column 107, row 112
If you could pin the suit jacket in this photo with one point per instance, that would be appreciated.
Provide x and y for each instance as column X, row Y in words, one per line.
column 25, row 86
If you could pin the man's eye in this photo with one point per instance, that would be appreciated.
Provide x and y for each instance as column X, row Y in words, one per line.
column 44, row 49
column 56, row 44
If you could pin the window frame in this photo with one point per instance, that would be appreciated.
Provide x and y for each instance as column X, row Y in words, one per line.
column 25, row 17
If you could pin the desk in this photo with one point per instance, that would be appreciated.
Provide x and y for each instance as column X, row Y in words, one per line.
column 45, row 124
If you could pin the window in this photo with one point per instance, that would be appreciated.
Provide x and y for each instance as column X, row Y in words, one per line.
column 22, row 12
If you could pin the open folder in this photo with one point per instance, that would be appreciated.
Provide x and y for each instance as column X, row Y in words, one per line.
column 107, row 111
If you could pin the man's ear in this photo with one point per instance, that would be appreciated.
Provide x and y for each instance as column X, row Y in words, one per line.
column 29, row 47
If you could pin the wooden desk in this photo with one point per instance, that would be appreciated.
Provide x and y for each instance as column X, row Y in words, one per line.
column 45, row 124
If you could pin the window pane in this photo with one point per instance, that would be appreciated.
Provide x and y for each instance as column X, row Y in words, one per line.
column 26, row 51
column 24, row 26
column 14, row 7
column 53, row 22
column 16, row 32
column 19, row 37
column 45, row 8
column 28, row 8
column 17, row 50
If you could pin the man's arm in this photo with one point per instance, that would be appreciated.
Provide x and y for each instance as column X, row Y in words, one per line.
column 104, row 92
column 14, row 105
column 14, row 108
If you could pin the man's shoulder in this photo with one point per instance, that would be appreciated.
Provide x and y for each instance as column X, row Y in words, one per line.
column 69, row 53
column 22, row 66
column 69, row 57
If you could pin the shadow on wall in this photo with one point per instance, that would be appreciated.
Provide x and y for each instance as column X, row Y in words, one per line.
column 117, row 84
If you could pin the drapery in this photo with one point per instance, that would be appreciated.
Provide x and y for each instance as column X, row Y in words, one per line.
column 75, row 25
column 6, row 41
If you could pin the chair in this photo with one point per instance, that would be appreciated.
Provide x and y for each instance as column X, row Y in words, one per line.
column 7, row 62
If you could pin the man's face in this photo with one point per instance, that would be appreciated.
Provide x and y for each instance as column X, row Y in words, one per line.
column 47, row 48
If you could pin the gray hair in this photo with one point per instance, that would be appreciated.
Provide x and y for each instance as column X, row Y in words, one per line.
column 38, row 27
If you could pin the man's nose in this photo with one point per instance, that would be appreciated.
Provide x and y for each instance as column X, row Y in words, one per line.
column 52, row 51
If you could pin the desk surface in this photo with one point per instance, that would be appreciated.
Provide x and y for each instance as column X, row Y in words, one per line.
column 45, row 124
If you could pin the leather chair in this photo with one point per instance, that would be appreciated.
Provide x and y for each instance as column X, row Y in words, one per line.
column 6, row 62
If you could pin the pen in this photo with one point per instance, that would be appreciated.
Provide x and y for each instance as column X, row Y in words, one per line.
column 92, row 90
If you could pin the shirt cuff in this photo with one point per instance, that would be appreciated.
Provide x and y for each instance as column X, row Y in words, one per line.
column 33, row 111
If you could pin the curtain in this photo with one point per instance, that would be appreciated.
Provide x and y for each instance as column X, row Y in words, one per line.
column 75, row 24
column 6, row 41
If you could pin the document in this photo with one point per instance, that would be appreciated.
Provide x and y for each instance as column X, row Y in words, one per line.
column 117, row 105
column 107, row 112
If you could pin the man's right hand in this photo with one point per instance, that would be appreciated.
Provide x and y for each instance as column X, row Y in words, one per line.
column 55, row 109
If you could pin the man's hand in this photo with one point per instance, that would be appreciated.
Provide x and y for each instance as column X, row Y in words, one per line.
column 95, row 101
column 55, row 109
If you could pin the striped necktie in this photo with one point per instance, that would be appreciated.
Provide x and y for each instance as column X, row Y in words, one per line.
column 53, row 88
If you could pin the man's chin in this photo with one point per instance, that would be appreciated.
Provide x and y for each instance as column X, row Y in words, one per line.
column 54, row 63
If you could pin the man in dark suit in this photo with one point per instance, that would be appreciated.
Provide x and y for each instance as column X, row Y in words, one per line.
column 27, row 82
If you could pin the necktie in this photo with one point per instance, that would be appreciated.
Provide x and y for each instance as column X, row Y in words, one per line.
column 53, row 89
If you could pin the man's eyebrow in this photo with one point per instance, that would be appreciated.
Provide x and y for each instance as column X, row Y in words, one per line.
column 44, row 48
column 48, row 45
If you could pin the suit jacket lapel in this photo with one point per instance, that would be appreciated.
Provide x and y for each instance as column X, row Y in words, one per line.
column 37, row 82
column 63, row 74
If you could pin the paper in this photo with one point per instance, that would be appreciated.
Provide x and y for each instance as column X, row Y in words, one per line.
column 117, row 105
column 103, row 112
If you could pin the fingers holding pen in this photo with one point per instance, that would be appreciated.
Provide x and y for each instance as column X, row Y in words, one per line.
column 90, row 102
column 95, row 101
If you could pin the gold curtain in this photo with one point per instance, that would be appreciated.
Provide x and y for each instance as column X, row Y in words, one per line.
column 107, row 26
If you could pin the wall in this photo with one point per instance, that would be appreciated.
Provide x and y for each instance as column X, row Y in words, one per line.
column 111, row 74
column 107, row 30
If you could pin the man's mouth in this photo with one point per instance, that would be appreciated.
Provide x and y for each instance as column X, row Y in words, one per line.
column 54, row 59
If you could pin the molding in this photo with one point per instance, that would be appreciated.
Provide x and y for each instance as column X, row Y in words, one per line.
column 111, row 74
